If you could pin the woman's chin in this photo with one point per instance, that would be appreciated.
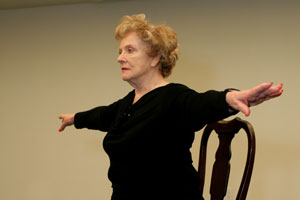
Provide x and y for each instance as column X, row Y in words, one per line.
column 125, row 78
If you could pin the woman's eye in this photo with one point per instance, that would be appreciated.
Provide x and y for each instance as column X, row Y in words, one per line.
column 130, row 50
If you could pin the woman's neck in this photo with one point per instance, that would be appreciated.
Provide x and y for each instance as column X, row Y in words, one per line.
column 146, row 85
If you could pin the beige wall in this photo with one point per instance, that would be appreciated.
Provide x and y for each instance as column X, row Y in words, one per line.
column 62, row 59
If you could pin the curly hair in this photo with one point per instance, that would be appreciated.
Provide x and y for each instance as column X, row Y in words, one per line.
column 161, row 39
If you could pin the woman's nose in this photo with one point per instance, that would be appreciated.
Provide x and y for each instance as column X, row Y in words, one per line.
column 121, row 58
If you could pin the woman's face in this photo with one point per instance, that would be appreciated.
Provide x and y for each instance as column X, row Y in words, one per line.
column 135, row 63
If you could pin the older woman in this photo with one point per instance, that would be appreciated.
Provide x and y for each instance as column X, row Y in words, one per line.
column 151, row 130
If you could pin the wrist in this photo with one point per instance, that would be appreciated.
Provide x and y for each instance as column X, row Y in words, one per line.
column 230, row 100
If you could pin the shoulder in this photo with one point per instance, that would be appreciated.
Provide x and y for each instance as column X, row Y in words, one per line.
column 125, row 99
column 178, row 87
column 179, row 90
column 121, row 103
column 176, row 94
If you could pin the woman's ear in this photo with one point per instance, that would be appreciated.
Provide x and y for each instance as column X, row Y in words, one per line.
column 155, row 61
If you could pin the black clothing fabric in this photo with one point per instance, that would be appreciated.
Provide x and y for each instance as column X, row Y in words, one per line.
column 149, row 142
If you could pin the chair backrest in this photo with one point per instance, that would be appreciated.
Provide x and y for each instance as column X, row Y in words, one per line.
column 221, row 168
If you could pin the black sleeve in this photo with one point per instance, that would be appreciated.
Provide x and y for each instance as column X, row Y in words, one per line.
column 198, row 109
column 99, row 118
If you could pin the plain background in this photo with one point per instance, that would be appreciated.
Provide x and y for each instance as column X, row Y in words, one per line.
column 62, row 59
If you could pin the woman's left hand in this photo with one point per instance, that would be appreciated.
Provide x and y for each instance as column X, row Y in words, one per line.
column 243, row 100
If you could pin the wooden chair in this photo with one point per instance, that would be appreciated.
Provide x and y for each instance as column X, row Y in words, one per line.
column 221, row 168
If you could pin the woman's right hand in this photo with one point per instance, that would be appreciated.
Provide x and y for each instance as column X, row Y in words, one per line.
column 67, row 120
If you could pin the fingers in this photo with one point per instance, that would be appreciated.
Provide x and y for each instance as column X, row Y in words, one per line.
column 262, row 87
column 264, row 92
column 63, row 123
column 243, row 100
column 62, row 127
column 67, row 120
column 276, row 94
column 244, row 109
column 271, row 92
column 247, row 113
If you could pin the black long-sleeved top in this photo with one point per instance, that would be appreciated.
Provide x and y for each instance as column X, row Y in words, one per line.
column 149, row 142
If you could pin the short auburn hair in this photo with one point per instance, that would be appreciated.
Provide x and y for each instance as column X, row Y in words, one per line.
column 161, row 39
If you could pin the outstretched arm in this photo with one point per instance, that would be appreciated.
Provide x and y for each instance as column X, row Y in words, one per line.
column 243, row 100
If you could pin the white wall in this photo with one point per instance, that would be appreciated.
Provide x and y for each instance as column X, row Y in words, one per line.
column 62, row 59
